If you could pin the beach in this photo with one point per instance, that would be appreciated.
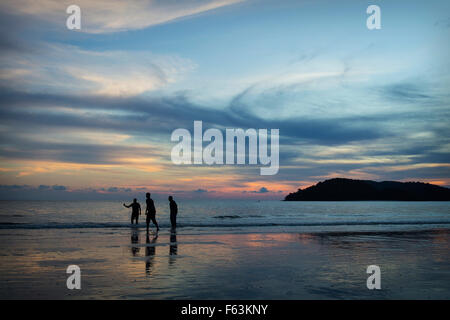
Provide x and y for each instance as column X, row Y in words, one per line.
column 226, row 249
column 125, row 264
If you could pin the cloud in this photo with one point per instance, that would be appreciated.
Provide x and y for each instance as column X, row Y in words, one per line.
column 310, row 146
column 406, row 92
column 39, row 66
column 103, row 16
column 69, row 69
column 26, row 187
column 13, row 187
column 25, row 148
column 444, row 23
column 163, row 115
column 118, row 189
column 261, row 190
column 87, row 113
column 59, row 192
column 59, row 188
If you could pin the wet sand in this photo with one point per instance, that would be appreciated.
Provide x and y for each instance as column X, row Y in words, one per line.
column 125, row 264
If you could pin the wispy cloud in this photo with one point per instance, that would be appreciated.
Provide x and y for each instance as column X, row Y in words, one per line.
column 65, row 68
column 93, row 114
column 103, row 16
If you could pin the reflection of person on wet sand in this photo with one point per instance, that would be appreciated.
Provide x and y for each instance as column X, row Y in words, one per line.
column 150, row 252
column 134, row 240
column 135, row 210
column 173, row 244
column 173, row 247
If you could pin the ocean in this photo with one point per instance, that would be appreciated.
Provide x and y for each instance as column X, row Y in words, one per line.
column 232, row 215
column 226, row 249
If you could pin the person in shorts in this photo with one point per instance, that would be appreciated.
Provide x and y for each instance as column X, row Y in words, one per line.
column 135, row 210
column 150, row 211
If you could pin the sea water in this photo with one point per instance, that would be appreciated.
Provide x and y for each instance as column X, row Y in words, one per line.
column 200, row 216
column 223, row 249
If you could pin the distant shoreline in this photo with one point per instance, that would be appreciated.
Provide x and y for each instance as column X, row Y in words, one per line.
column 341, row 189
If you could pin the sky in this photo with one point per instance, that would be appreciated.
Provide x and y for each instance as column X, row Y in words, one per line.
column 88, row 114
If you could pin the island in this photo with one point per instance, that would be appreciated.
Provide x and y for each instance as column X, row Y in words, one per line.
column 341, row 189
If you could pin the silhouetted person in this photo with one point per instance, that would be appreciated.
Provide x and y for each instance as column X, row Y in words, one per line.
column 173, row 212
column 150, row 211
column 150, row 252
column 136, row 210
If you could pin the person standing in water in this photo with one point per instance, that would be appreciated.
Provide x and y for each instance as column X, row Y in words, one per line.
column 135, row 210
column 150, row 211
column 173, row 212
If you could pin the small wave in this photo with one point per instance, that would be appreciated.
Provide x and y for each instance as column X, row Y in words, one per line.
column 9, row 223
column 227, row 217
column 217, row 225
column 11, row 215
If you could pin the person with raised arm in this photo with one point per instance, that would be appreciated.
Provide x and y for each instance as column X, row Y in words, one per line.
column 135, row 210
